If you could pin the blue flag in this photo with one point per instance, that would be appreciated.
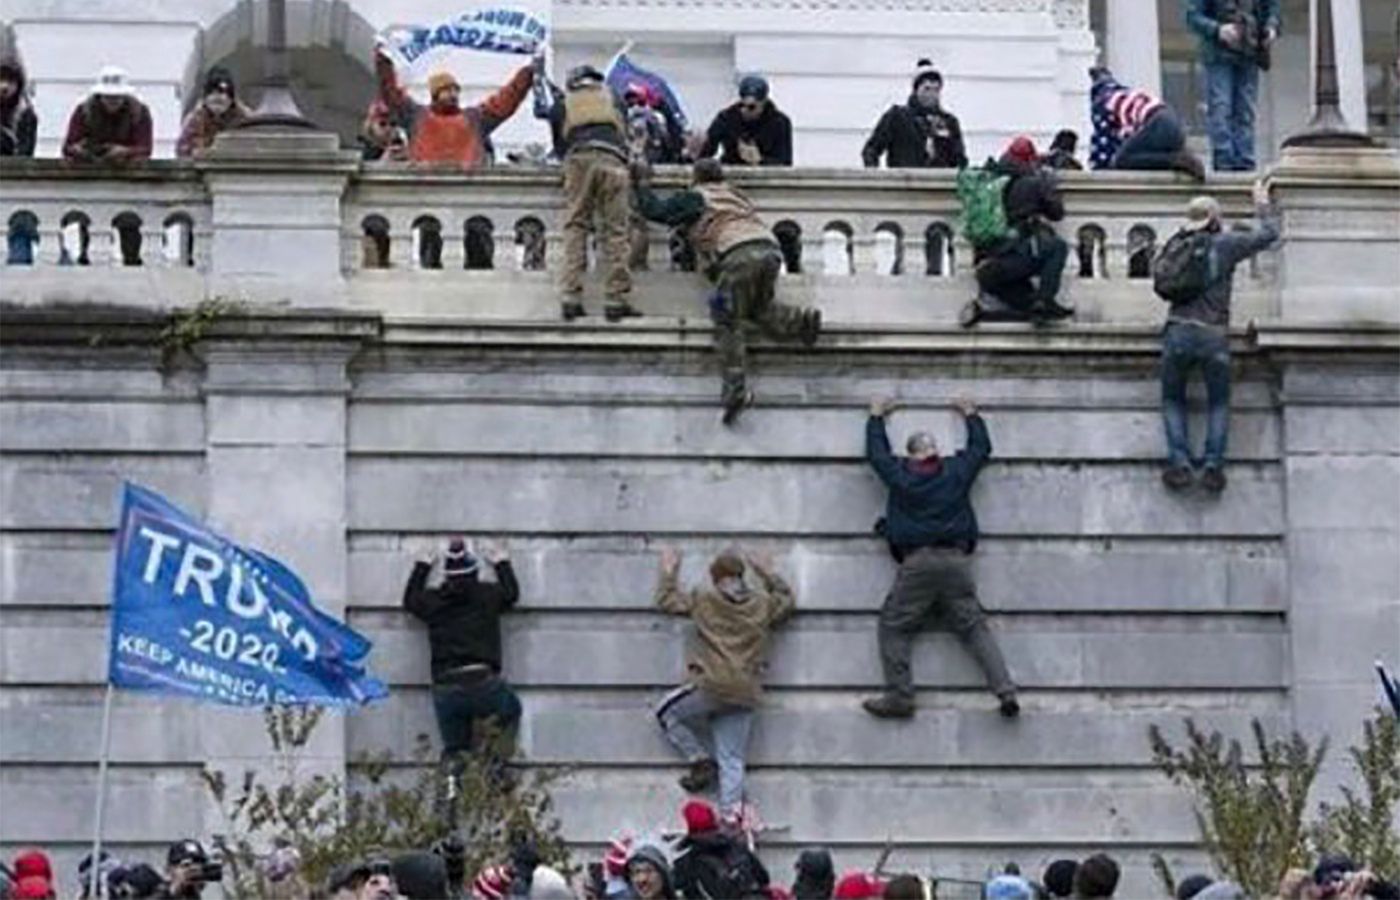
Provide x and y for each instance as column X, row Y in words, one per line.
column 495, row 29
column 195, row 614
column 624, row 72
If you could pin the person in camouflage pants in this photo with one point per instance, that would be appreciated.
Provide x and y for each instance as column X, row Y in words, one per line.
column 742, row 258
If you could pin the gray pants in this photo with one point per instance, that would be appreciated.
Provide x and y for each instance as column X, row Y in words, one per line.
column 689, row 708
column 936, row 584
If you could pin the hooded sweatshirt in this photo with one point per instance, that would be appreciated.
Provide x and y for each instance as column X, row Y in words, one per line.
column 18, row 123
column 727, row 652
column 653, row 854
column 463, row 616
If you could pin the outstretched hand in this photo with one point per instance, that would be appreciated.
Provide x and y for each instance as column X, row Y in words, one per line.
column 966, row 406
column 883, row 406
column 760, row 559
column 670, row 560
column 495, row 552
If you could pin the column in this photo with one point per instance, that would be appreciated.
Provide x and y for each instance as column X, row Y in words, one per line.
column 1133, row 48
column 1351, row 69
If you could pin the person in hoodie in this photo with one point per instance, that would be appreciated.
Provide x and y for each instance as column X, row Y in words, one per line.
column 751, row 132
column 932, row 532
column 1136, row 130
column 816, row 875
column 444, row 131
column 733, row 621
column 111, row 125
column 919, row 134
column 649, row 875
column 219, row 109
column 463, row 616
column 18, row 123
column 33, row 875
column 712, row 864
column 1024, row 270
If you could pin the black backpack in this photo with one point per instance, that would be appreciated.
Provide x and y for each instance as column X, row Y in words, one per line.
column 730, row 877
column 1182, row 270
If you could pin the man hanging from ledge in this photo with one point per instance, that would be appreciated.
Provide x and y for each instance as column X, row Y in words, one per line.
column 932, row 533
column 741, row 256
column 444, row 131
column 463, row 616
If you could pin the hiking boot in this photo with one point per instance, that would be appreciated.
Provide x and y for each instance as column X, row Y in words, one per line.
column 1191, row 164
column 1052, row 310
column 889, row 706
column 1177, row 478
column 702, row 776
column 811, row 326
column 970, row 314
column 1009, row 708
column 735, row 402
column 617, row 310
column 572, row 309
column 1213, row 479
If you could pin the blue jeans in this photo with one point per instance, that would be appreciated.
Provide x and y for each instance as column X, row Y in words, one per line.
column 1153, row 146
column 1231, row 90
column 458, row 706
column 1184, row 348
column 689, row 709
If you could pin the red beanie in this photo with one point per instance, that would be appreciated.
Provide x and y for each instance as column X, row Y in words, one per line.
column 33, row 887
column 1022, row 150
column 858, row 886
column 33, row 863
column 699, row 816
column 492, row 883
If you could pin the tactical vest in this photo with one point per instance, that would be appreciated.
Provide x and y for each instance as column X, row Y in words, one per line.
column 590, row 104
column 729, row 220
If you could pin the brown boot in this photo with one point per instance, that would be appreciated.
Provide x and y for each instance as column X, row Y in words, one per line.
column 702, row 776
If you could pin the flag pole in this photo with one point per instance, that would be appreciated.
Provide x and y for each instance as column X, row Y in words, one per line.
column 626, row 46
column 94, row 871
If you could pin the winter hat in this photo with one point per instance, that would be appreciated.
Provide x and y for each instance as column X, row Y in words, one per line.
column 33, row 887
column 33, row 864
column 858, row 886
column 727, row 565
column 753, row 87
column 1330, row 867
column 439, row 80
column 493, row 883
column 1192, row 885
column 1008, row 887
column 924, row 71
column 699, row 816
column 420, row 875
column 12, row 70
column 1059, row 877
column 188, row 850
column 219, row 78
column 112, row 81
column 816, row 874
column 458, row 560
column 549, row 884
column 615, row 860
column 1066, row 139
column 1021, row 150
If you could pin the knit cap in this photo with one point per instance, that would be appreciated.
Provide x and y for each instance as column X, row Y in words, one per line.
column 699, row 816
column 459, row 560
column 439, row 80
column 924, row 71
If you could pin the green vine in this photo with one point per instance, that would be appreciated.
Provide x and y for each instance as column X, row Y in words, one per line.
column 188, row 327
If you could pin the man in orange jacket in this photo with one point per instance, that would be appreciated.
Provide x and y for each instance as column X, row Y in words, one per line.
column 444, row 131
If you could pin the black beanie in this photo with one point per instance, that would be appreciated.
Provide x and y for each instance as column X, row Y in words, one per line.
column 924, row 71
column 219, row 77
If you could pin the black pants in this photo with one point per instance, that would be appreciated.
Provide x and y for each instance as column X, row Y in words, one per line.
column 1007, row 272
column 459, row 706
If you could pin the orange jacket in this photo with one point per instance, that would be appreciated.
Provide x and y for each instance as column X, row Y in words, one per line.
column 459, row 136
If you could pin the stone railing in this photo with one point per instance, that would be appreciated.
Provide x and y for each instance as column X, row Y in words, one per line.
column 269, row 218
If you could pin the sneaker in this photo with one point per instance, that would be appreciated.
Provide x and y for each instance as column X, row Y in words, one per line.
column 969, row 315
column 702, row 776
column 1213, row 479
column 736, row 402
column 1177, row 478
column 811, row 326
column 572, row 309
column 1009, row 708
column 617, row 310
column 889, row 706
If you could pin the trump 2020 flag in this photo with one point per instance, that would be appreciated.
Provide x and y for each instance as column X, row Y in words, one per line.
column 493, row 29
column 623, row 72
column 195, row 614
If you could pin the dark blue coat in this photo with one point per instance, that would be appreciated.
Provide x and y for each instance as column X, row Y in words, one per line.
column 929, row 507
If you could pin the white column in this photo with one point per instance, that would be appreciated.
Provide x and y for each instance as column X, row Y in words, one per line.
column 1351, row 69
column 1133, row 48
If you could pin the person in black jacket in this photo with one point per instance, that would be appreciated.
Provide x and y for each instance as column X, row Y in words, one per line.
column 920, row 134
column 712, row 865
column 1024, row 270
column 752, row 132
column 463, row 616
column 932, row 532
column 18, row 123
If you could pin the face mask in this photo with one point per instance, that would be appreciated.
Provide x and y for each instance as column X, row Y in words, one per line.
column 218, row 103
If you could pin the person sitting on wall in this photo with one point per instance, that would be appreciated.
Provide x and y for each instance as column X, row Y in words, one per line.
column 219, row 109
column 111, row 125
column 463, row 616
column 751, row 132
column 919, row 134
column 444, row 131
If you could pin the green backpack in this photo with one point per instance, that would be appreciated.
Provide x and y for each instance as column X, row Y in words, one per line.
column 983, row 221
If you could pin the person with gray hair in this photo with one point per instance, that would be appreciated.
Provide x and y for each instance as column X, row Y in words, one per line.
column 932, row 532
column 1194, row 272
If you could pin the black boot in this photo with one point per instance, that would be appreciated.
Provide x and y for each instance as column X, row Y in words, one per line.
column 702, row 776
column 572, row 309
column 811, row 326
column 619, row 309
column 736, row 400
column 889, row 706
column 970, row 314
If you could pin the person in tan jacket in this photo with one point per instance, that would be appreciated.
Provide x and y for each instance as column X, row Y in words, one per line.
column 724, row 666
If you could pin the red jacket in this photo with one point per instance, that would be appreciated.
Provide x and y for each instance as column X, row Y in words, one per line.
column 92, row 130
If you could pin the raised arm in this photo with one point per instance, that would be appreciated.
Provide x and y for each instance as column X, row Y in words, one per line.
column 979, row 441
column 669, row 595
column 501, row 105
column 418, row 598
column 507, row 587
column 877, row 447
column 783, row 601
column 391, row 92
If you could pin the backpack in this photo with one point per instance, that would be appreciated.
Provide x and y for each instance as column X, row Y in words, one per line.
column 980, row 191
column 730, row 877
column 1182, row 270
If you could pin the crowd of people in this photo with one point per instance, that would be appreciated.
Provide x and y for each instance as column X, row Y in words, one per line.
column 704, row 862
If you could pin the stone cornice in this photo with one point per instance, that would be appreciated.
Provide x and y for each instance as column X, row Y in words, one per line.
column 921, row 6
